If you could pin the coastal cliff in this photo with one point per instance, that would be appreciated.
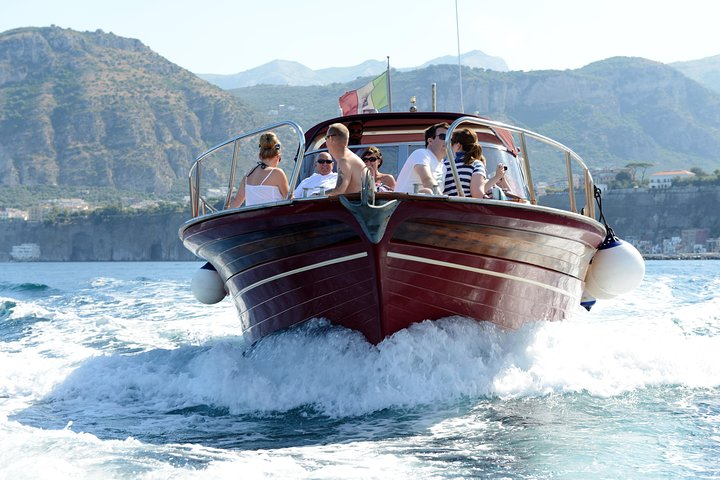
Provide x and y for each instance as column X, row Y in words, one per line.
column 654, row 214
column 151, row 237
column 640, row 214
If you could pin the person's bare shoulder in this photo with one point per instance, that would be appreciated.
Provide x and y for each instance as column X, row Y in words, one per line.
column 357, row 161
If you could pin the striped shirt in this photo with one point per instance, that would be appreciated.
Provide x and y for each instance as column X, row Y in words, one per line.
column 465, row 173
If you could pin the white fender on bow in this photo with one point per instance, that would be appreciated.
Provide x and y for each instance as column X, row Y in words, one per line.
column 207, row 285
column 616, row 268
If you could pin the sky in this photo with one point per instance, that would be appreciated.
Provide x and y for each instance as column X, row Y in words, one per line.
column 231, row 36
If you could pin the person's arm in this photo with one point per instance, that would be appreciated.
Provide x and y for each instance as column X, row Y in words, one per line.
column 504, row 184
column 239, row 196
column 477, row 185
column 389, row 181
column 298, row 193
column 499, row 174
column 282, row 182
column 426, row 178
column 343, row 181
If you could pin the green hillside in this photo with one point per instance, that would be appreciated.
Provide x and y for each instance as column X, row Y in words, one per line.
column 618, row 111
column 705, row 71
column 95, row 109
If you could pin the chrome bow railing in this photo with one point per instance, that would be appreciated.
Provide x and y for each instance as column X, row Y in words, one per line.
column 570, row 156
column 200, row 205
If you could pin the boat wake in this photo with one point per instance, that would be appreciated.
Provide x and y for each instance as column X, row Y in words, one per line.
column 336, row 373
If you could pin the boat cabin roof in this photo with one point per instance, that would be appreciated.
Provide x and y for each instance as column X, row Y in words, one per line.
column 404, row 127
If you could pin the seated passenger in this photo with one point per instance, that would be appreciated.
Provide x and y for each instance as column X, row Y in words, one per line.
column 355, row 131
column 424, row 171
column 265, row 182
column 470, row 165
column 351, row 170
column 384, row 182
column 323, row 179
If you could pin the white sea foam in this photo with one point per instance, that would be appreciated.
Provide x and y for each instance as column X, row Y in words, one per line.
column 339, row 373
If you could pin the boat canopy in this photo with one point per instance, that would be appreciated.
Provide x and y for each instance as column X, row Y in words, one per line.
column 405, row 127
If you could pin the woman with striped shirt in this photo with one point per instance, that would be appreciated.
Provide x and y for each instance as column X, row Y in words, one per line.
column 470, row 165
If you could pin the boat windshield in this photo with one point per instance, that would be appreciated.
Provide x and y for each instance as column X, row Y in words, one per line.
column 397, row 136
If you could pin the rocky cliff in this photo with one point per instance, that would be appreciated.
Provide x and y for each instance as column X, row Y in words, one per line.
column 654, row 214
column 111, row 238
column 95, row 109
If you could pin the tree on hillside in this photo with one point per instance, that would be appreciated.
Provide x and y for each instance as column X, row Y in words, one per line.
column 699, row 172
column 638, row 165
column 623, row 180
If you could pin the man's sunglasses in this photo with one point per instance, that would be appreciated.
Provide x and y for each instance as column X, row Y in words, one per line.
column 324, row 161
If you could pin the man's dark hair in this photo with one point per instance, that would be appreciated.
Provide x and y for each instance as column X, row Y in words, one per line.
column 430, row 132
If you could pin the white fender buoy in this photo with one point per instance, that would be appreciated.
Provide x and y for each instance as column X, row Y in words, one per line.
column 207, row 286
column 616, row 268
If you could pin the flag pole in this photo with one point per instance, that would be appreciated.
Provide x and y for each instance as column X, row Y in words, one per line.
column 457, row 29
column 389, row 84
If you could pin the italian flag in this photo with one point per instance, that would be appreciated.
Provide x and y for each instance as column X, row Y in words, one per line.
column 370, row 98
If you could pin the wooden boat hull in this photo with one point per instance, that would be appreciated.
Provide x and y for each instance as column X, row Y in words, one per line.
column 420, row 258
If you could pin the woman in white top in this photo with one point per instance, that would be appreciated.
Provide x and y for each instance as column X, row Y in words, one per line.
column 266, row 182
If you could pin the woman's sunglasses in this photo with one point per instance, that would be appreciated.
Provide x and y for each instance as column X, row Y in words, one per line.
column 370, row 159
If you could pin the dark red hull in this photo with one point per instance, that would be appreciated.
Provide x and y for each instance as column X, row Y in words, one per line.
column 502, row 262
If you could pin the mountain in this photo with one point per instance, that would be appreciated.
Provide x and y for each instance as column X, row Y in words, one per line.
column 283, row 72
column 474, row 59
column 369, row 68
column 612, row 112
column 277, row 72
column 96, row 109
column 705, row 71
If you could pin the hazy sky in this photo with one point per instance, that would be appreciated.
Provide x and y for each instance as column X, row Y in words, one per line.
column 229, row 36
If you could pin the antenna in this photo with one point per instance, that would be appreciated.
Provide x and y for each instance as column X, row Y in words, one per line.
column 457, row 29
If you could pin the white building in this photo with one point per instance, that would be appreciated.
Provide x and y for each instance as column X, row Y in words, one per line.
column 72, row 204
column 672, row 245
column 13, row 213
column 665, row 179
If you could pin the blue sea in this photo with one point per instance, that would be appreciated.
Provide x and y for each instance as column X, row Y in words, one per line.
column 114, row 371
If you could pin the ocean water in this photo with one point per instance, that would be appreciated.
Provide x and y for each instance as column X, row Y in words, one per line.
column 113, row 370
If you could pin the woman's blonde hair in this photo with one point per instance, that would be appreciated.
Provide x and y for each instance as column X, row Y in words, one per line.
column 468, row 143
column 269, row 146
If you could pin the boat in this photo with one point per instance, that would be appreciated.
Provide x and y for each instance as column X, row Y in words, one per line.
column 378, row 262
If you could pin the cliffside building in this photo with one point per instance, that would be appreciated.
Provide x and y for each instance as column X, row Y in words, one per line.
column 13, row 213
column 665, row 179
column 605, row 176
column 694, row 240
